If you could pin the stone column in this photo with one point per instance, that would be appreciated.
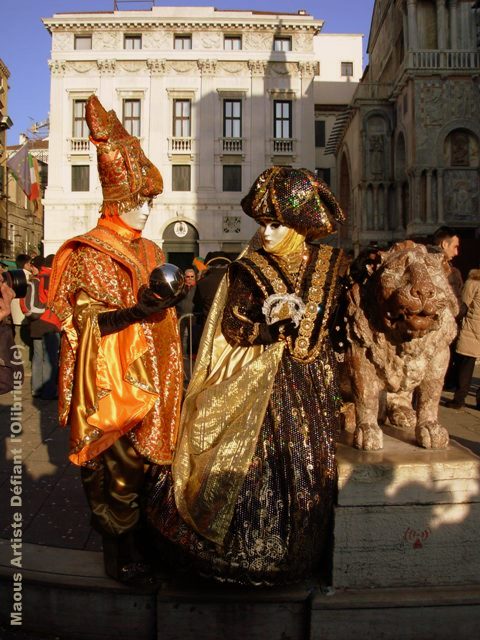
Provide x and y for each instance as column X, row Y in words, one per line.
column 375, row 207
column 57, row 135
column 441, row 25
column 206, row 127
column 453, row 24
column 414, row 182
column 440, row 212
column 305, row 145
column 159, row 113
column 412, row 25
column 428, row 194
column 398, row 207
column 260, row 132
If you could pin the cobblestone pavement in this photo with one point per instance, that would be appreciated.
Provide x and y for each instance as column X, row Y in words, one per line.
column 55, row 511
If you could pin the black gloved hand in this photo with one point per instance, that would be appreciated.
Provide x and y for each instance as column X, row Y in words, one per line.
column 148, row 304
column 270, row 333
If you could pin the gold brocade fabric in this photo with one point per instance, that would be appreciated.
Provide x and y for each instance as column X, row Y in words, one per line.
column 126, row 382
column 220, row 422
column 256, row 504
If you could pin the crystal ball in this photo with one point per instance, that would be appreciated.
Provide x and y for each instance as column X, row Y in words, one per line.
column 167, row 280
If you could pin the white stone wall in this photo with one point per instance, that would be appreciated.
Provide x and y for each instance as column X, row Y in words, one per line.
column 206, row 74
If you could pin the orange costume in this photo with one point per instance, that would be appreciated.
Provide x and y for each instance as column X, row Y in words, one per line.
column 120, row 393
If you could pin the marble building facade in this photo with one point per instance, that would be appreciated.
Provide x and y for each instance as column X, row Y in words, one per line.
column 214, row 96
column 407, row 151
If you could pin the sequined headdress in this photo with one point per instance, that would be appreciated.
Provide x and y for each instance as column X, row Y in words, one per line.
column 296, row 198
column 127, row 176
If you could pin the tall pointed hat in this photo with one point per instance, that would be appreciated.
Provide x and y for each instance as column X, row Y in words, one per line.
column 127, row 176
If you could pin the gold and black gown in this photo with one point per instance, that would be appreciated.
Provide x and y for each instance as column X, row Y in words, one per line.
column 267, row 521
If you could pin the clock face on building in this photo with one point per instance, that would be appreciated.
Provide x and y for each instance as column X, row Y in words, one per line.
column 180, row 229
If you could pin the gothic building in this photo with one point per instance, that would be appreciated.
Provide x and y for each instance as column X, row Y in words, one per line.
column 408, row 149
column 214, row 96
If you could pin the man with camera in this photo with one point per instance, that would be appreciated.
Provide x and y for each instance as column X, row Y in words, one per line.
column 120, row 379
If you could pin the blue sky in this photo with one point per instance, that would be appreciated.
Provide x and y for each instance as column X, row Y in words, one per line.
column 25, row 43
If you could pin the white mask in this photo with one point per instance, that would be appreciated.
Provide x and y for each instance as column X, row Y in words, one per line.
column 137, row 218
column 273, row 233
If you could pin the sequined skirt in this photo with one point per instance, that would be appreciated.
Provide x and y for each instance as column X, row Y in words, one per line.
column 281, row 528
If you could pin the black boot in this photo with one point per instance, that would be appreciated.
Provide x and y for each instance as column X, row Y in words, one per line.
column 124, row 560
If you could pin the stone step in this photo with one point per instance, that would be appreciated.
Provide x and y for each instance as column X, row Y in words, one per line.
column 66, row 596
column 407, row 516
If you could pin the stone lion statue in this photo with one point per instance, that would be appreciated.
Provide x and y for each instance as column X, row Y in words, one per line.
column 400, row 321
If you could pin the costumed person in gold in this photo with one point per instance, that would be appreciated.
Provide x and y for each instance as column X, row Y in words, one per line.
column 250, row 495
column 120, row 364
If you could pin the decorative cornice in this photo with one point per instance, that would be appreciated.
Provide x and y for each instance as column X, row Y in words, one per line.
column 55, row 25
column 57, row 67
column 257, row 67
column 308, row 69
column 106, row 66
column 157, row 66
column 207, row 67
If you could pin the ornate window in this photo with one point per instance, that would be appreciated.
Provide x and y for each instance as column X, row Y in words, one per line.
column 232, row 177
column 282, row 118
column 80, row 177
column 347, row 69
column 131, row 116
column 79, row 125
column 232, row 43
column 132, row 42
column 83, row 42
column 182, row 42
column 282, row 43
column 181, row 177
column 232, row 118
column 182, row 118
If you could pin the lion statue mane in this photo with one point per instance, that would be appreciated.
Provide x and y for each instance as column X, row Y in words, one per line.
column 400, row 320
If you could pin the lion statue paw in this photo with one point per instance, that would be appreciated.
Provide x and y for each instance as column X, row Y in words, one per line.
column 431, row 435
column 404, row 418
column 368, row 437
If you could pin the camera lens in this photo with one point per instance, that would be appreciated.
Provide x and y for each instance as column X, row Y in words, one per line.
column 16, row 280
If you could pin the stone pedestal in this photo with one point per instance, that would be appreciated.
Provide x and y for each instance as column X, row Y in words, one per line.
column 406, row 516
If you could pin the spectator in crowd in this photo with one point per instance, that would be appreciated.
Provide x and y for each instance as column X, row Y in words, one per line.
column 468, row 343
column 21, row 325
column 11, row 368
column 187, row 322
column 44, row 331
column 446, row 239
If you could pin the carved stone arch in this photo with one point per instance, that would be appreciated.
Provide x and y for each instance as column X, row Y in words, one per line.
column 467, row 124
column 377, row 135
column 461, row 149
column 180, row 242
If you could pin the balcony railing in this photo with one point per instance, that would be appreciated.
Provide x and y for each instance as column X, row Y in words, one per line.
column 180, row 145
column 444, row 59
column 232, row 145
column 79, row 145
column 282, row 146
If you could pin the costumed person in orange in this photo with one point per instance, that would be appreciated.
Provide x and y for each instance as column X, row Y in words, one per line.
column 250, row 495
column 121, row 375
